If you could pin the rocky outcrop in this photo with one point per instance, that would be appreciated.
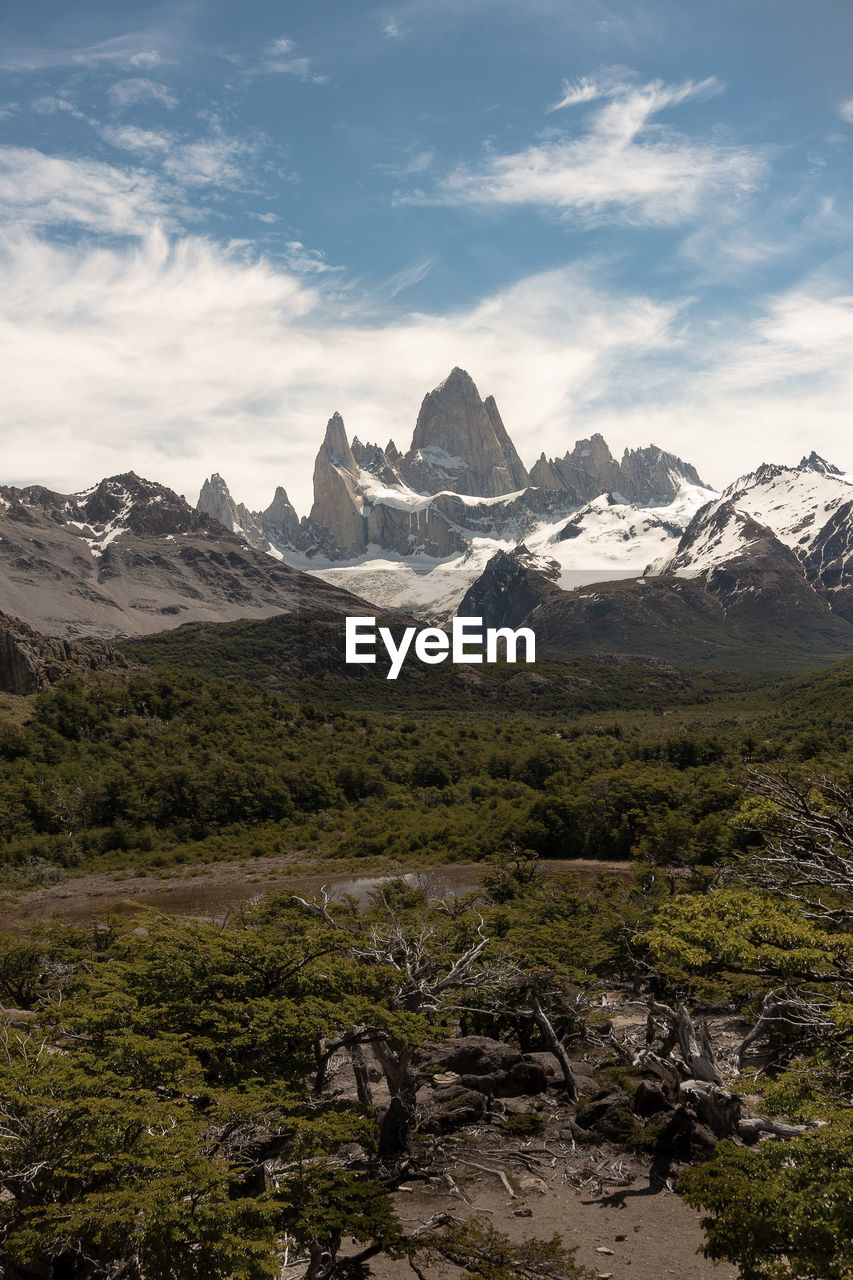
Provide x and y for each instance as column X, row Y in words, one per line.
column 512, row 585
column 485, row 1065
column 829, row 560
column 279, row 526
column 647, row 477
column 814, row 462
column 338, row 510
column 30, row 661
column 216, row 500
column 653, row 477
column 461, row 444
column 280, row 523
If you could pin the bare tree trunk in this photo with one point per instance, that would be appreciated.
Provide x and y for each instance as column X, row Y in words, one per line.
column 696, row 1048
column 556, row 1047
column 362, row 1079
column 396, row 1124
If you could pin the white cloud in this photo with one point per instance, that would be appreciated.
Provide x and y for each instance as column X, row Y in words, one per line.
column 769, row 391
column 145, row 58
column 43, row 191
column 127, row 93
column 179, row 165
column 56, row 104
column 129, row 137
column 845, row 110
column 37, row 190
column 625, row 166
column 306, row 262
column 408, row 277
column 280, row 58
column 179, row 358
column 130, row 50
column 577, row 91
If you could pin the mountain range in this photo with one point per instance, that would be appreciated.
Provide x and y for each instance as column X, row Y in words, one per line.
column 414, row 530
column 635, row 556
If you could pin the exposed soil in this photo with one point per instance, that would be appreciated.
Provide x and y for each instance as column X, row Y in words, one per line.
column 621, row 1228
column 221, row 887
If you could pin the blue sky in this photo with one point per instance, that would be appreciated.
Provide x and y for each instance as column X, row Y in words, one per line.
column 222, row 222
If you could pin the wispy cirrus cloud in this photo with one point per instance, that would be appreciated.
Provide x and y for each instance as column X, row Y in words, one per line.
column 134, row 50
column 606, row 83
column 845, row 110
column 625, row 166
column 39, row 191
column 278, row 57
column 52, row 104
column 130, row 92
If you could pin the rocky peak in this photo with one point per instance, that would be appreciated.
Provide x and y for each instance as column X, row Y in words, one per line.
column 216, row 500
column 281, row 515
column 653, row 477
column 460, row 444
column 510, row 587
column 814, row 462
column 647, row 477
column 338, row 511
column 370, row 457
column 129, row 502
column 336, row 445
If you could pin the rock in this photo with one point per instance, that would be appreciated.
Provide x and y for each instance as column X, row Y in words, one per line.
column 215, row 498
column 460, row 443
column 30, row 661
column 489, row 1066
column 650, row 1099
column 280, row 523
column 468, row 1055
column 609, row 1114
column 452, row 1107
column 528, row 1184
column 648, row 477
column 338, row 510
column 683, row 1137
column 521, row 1077
column 519, row 1106
column 549, row 1064
column 511, row 586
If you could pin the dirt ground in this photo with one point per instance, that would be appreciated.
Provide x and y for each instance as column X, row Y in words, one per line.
column 597, row 1196
column 220, row 887
column 626, row 1229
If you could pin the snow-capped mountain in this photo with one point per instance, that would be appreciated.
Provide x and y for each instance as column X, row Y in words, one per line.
column 808, row 509
column 413, row 531
column 129, row 556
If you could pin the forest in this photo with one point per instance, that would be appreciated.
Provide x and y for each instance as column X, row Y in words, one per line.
column 245, row 1096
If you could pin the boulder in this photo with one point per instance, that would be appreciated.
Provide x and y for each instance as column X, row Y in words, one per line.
column 453, row 1107
column 487, row 1065
column 650, row 1099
